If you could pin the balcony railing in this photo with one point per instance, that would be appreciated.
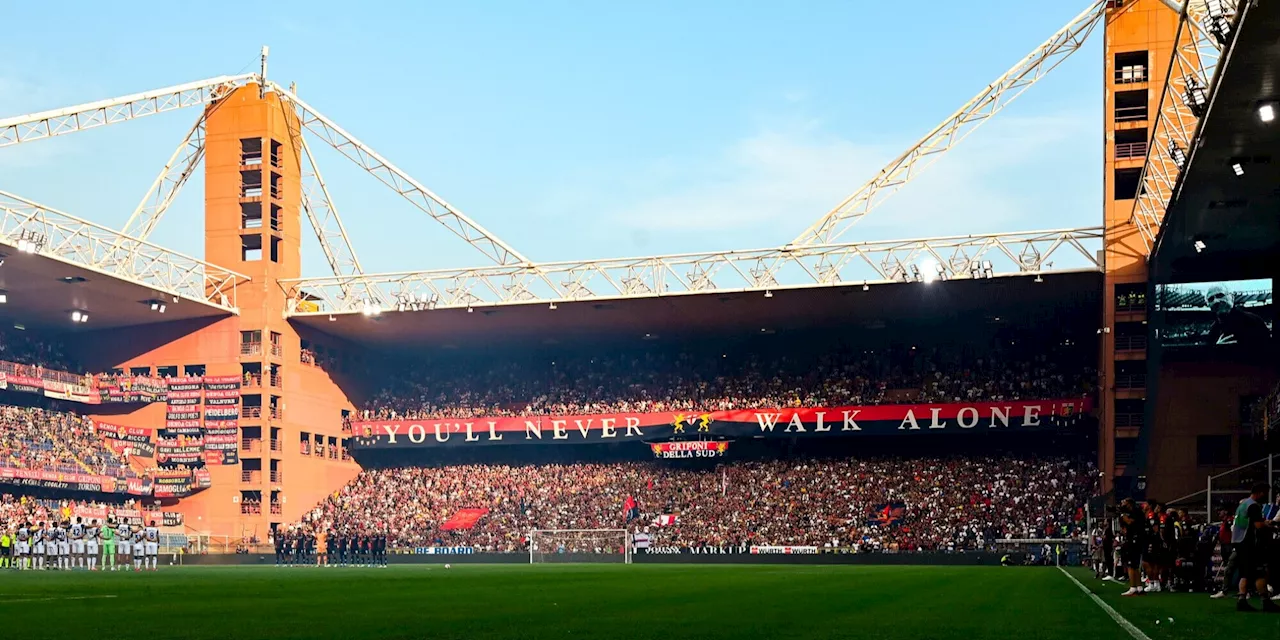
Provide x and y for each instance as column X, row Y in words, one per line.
column 1131, row 114
column 277, row 477
column 276, row 508
column 1124, row 420
column 276, row 380
column 251, row 158
column 251, row 192
column 306, row 448
column 251, row 413
column 275, row 160
column 276, row 445
column 1128, row 150
column 276, row 192
column 251, row 477
column 1130, row 75
column 251, row 508
column 276, row 413
column 250, row 348
column 251, row 445
column 252, row 381
column 1131, row 381
column 277, row 350
column 1131, row 343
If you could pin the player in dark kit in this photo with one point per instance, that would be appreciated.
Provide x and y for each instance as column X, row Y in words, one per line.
column 380, row 548
column 281, row 543
column 367, row 550
column 1134, row 534
column 341, row 541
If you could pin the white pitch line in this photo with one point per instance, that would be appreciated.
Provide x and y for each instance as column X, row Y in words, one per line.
column 1115, row 615
column 57, row 598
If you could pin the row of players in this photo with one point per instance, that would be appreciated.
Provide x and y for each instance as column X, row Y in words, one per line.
column 330, row 548
column 68, row 545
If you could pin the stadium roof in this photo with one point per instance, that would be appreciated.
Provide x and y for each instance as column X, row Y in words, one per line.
column 1232, row 217
column 43, row 291
column 1006, row 299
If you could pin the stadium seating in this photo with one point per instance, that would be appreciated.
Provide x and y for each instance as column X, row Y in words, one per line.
column 40, row 439
column 655, row 380
column 946, row 503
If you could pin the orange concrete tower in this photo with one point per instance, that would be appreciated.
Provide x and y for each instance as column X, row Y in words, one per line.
column 291, row 444
column 1139, row 42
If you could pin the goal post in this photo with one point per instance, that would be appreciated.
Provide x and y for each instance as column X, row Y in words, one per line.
column 1043, row 551
column 579, row 545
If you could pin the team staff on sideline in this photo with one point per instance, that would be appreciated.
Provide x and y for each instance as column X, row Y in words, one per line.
column 1252, row 537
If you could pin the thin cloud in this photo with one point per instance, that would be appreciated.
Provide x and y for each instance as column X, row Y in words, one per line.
column 779, row 182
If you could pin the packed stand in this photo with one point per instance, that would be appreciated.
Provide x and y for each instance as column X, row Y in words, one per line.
column 948, row 504
column 45, row 440
column 665, row 381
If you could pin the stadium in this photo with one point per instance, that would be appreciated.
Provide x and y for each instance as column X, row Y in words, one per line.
column 1053, row 433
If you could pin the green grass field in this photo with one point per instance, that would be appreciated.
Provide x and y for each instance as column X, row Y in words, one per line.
column 601, row 601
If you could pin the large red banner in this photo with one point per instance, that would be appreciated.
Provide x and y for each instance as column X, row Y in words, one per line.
column 463, row 519
column 807, row 422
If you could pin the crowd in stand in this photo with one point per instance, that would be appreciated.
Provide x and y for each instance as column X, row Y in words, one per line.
column 20, row 508
column 663, row 381
column 946, row 503
column 41, row 439
column 30, row 349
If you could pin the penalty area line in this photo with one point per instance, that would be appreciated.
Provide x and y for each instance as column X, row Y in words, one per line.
column 7, row 601
column 1115, row 615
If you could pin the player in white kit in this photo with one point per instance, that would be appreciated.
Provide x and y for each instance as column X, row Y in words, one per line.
column 91, row 534
column 124, row 538
column 152, row 535
column 76, row 561
column 139, row 550
column 37, row 546
column 24, row 546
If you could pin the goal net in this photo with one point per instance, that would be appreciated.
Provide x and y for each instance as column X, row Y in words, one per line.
column 579, row 545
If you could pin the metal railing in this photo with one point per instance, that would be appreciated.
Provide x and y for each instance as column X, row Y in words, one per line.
column 251, row 445
column 1131, row 381
column 276, row 508
column 1131, row 343
column 277, row 350
column 251, row 412
column 277, row 476
column 276, row 445
column 276, row 380
column 1131, row 114
column 1131, row 150
column 1129, row 420
column 1131, row 75
column 91, row 246
column 251, row 477
column 252, row 381
column 250, row 348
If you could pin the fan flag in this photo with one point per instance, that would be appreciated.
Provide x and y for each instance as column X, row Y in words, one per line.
column 665, row 520
column 464, row 519
column 631, row 509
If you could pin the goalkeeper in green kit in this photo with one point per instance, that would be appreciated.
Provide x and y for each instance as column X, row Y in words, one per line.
column 109, row 545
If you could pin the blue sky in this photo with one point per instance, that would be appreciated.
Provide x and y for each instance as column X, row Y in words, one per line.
column 579, row 130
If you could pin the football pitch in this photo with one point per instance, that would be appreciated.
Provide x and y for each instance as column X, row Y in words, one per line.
column 605, row 601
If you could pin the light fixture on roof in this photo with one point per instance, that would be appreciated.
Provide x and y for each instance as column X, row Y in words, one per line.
column 469, row 309
column 552, row 306
column 930, row 270
column 4, row 297
column 1199, row 245
column 1195, row 97
column 1237, row 168
column 1179, row 156
column 79, row 316
column 768, row 293
column 866, row 287
column 1267, row 111
column 1038, row 278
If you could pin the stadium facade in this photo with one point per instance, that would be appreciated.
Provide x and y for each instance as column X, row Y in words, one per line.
column 301, row 364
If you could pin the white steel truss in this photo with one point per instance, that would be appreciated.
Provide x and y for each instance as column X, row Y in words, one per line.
column 70, row 239
column 950, row 258
column 182, row 164
column 955, row 128
column 413, row 191
column 1184, row 101
column 46, row 124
